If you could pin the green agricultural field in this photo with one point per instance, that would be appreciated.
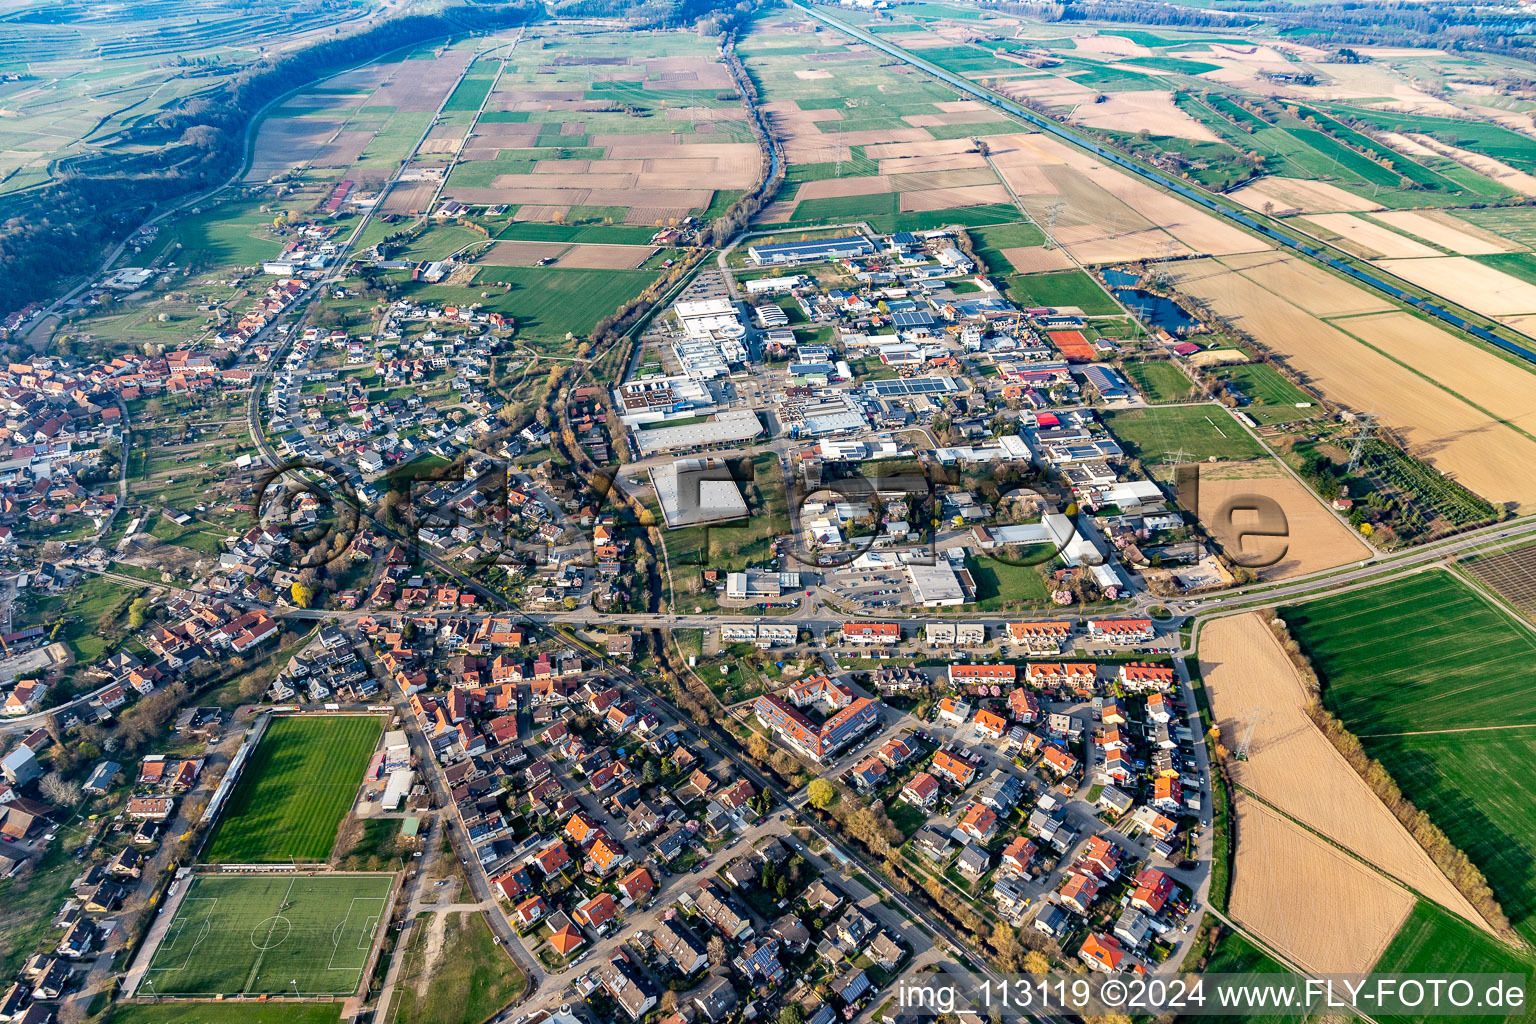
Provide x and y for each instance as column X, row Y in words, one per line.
column 545, row 302
column 1422, row 652
column 1003, row 584
column 296, row 788
column 225, row 1013
column 1473, row 786
column 846, row 208
column 1434, row 941
column 270, row 935
column 1062, row 288
column 1159, row 381
column 1272, row 398
column 1437, row 682
column 1518, row 224
column 231, row 235
column 1201, row 431
column 989, row 243
column 1236, row 955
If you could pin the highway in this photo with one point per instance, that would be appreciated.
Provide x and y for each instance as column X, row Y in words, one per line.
column 1174, row 185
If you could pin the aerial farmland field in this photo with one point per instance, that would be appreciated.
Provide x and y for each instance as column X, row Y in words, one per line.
column 1436, row 681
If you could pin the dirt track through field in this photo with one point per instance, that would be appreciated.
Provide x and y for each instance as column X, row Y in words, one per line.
column 1294, row 767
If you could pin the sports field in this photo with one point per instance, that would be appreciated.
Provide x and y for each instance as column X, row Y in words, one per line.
column 270, row 934
column 1274, row 398
column 1199, row 431
column 1438, row 684
column 298, row 785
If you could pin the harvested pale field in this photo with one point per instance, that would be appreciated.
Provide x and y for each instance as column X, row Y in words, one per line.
column 364, row 79
column 957, row 106
column 1506, row 389
column 687, row 198
column 935, row 120
column 1472, row 284
column 1307, row 285
column 1218, row 357
column 831, row 188
column 588, row 166
column 1132, row 111
column 508, row 135
column 440, row 146
column 513, row 253
column 343, row 150
column 409, row 197
column 657, row 215
column 596, row 256
column 812, row 74
column 953, row 198
column 1316, row 905
column 1297, row 195
column 422, row 85
column 283, row 143
column 1092, row 246
column 1445, row 229
column 1033, row 259
column 1482, row 454
column 573, row 180
column 1048, row 89
column 1294, row 767
column 1360, row 237
column 902, row 165
column 1107, row 215
column 1315, row 541
column 777, row 213
column 541, row 214
column 914, row 143
column 917, row 181
column 1111, row 46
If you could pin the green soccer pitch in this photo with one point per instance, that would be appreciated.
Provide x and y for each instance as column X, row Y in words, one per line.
column 298, row 786
column 273, row 934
